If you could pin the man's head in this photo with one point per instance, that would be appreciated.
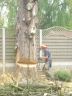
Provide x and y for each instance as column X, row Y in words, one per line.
column 44, row 46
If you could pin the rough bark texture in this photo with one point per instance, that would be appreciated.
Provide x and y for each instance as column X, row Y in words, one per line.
column 25, row 28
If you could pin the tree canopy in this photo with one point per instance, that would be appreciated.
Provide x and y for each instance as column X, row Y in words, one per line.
column 55, row 13
column 9, row 7
column 51, row 13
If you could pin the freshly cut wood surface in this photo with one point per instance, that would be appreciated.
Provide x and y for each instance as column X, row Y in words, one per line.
column 24, row 60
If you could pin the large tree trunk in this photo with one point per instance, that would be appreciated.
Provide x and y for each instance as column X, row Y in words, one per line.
column 26, row 28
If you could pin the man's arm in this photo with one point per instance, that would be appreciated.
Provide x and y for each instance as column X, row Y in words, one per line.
column 44, row 58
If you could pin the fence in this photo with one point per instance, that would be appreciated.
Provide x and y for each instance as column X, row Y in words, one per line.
column 1, row 55
column 59, row 41
column 7, row 45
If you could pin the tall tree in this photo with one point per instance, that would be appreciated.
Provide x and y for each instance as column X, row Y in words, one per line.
column 26, row 28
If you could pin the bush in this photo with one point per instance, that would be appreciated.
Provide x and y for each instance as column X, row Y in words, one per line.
column 63, row 75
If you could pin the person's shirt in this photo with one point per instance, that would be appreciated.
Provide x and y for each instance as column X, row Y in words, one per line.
column 47, row 53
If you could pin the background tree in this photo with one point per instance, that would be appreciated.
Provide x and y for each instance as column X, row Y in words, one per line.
column 51, row 13
column 11, row 8
column 55, row 13
column 1, row 21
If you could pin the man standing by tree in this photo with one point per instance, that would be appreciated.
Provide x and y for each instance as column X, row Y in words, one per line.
column 47, row 56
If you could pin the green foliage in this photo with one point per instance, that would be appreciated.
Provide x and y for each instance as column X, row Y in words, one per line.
column 39, row 90
column 63, row 75
column 11, row 6
column 56, row 13
column 51, row 13
column 1, row 22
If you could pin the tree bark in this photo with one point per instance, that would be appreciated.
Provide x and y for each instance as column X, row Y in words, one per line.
column 25, row 31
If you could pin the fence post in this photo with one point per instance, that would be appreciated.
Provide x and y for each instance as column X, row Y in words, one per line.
column 3, row 41
column 34, row 48
column 40, row 42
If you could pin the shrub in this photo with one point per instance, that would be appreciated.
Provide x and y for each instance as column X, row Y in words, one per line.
column 62, row 75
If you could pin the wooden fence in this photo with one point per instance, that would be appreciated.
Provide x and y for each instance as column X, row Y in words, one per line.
column 59, row 44
column 59, row 41
column 9, row 47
